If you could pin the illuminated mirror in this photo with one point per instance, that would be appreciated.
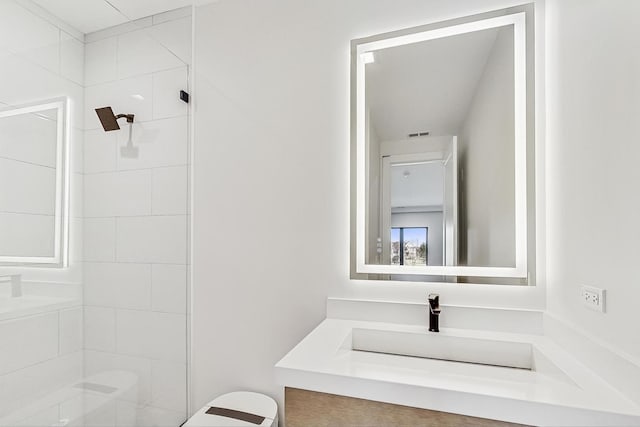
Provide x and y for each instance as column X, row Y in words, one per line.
column 441, row 130
column 33, row 184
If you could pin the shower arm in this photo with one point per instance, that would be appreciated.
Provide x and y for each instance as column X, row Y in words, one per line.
column 129, row 117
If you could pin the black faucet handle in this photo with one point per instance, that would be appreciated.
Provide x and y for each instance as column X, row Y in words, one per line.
column 434, row 303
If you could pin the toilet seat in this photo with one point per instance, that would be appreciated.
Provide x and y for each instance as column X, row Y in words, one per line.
column 237, row 409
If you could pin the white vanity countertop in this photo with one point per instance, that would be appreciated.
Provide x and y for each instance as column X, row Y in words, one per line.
column 324, row 362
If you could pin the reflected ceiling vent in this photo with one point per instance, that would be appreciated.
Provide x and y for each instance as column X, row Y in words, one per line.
column 413, row 135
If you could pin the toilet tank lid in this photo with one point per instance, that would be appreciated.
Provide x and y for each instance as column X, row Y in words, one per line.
column 246, row 401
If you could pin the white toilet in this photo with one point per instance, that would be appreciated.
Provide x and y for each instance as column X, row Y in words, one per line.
column 240, row 408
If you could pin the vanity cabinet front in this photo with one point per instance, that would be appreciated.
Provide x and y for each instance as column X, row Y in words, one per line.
column 304, row 408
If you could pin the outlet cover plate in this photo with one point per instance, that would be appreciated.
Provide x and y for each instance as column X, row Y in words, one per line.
column 593, row 298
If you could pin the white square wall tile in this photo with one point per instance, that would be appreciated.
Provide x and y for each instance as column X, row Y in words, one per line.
column 160, row 143
column 157, row 417
column 101, row 61
column 27, row 341
column 169, row 385
column 128, row 96
column 27, row 235
column 76, row 195
column 152, row 239
column 41, row 417
column 71, row 335
column 169, row 288
column 76, row 245
column 154, row 335
column 175, row 35
column 72, row 58
column 172, row 15
column 77, row 150
column 29, row 35
column 36, row 192
column 166, row 93
column 170, row 191
column 99, row 328
column 98, row 410
column 21, row 81
column 139, row 53
column 118, row 194
column 118, row 285
column 98, row 286
column 99, row 239
column 28, row 139
column 44, row 377
column 100, row 151
column 125, row 26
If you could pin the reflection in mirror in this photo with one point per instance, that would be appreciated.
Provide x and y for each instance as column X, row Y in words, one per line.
column 31, row 184
column 441, row 147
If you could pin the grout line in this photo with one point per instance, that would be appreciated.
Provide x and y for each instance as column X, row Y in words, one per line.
column 26, row 213
column 140, row 121
column 137, row 310
column 130, row 26
column 33, row 365
column 132, row 262
column 59, row 51
column 150, row 359
column 136, row 169
column 153, row 91
column 59, row 332
column 42, row 13
column 136, row 216
column 115, row 239
column 42, row 67
column 27, row 162
column 133, row 76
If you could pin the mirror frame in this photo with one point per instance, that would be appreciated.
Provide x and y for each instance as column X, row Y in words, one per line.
column 61, row 212
column 520, row 18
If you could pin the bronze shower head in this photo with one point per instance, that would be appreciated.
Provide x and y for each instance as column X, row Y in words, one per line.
column 109, row 120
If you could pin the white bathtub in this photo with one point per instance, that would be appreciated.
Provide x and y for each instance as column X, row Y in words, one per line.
column 28, row 305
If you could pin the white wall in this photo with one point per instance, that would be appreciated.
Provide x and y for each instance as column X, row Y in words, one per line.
column 272, row 175
column 593, row 105
column 487, row 163
column 136, row 213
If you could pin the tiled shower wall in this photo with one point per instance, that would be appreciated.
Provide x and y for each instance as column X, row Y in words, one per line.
column 41, row 58
column 136, row 217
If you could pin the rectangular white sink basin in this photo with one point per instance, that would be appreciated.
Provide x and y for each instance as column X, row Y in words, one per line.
column 441, row 346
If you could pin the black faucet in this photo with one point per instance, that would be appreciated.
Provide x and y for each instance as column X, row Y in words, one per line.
column 434, row 312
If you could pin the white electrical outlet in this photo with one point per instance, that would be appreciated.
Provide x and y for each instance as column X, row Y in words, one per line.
column 592, row 298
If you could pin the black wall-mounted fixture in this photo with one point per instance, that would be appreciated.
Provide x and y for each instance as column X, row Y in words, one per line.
column 109, row 120
column 184, row 96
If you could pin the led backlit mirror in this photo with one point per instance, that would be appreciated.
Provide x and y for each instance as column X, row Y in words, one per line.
column 33, row 184
column 442, row 137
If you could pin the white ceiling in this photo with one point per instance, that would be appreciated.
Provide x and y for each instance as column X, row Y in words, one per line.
column 426, row 86
column 88, row 16
column 417, row 185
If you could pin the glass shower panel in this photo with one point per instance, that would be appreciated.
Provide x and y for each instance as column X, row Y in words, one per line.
column 101, row 338
column 136, row 223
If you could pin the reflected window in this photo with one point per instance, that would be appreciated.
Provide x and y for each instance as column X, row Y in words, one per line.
column 409, row 245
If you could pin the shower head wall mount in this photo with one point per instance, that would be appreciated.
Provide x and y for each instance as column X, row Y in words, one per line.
column 109, row 120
